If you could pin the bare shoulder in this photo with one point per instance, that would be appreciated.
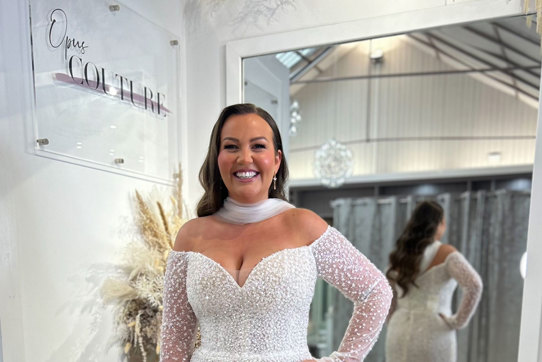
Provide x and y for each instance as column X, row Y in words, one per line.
column 306, row 223
column 442, row 253
column 189, row 233
column 446, row 249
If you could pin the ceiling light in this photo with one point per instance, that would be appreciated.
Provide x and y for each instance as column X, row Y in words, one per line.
column 494, row 157
column 377, row 55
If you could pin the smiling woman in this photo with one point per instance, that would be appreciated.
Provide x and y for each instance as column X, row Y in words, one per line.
column 240, row 116
column 245, row 270
column 248, row 164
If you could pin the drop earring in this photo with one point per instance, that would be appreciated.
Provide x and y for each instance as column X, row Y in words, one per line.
column 274, row 182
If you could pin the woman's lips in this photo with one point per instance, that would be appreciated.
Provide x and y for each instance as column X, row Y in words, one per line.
column 246, row 176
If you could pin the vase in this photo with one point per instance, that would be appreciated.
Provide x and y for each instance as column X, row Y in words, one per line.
column 134, row 355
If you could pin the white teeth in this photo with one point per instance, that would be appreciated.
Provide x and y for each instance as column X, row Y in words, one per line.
column 247, row 174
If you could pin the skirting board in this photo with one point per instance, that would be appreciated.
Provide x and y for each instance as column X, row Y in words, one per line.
column 1, row 351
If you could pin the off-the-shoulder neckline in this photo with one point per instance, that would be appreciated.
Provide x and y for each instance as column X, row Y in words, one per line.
column 176, row 254
column 311, row 245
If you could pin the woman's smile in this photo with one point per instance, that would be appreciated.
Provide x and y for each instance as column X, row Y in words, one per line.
column 246, row 175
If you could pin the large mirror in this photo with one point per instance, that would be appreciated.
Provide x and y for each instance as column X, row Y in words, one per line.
column 374, row 126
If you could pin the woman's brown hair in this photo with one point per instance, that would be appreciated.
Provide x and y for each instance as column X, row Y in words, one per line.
column 209, row 174
column 417, row 235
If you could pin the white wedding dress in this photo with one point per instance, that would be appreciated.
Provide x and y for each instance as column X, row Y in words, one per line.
column 416, row 332
column 266, row 319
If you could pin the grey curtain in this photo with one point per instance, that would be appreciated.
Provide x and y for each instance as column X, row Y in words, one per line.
column 489, row 228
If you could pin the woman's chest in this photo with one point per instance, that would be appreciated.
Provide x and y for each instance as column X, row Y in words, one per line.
column 241, row 248
column 281, row 280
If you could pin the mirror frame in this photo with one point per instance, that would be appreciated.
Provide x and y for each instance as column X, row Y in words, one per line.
column 392, row 24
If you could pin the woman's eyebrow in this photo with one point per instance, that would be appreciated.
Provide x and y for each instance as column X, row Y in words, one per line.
column 230, row 139
column 251, row 140
column 258, row 139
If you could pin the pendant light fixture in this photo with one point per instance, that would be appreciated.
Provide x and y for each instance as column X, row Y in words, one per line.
column 333, row 160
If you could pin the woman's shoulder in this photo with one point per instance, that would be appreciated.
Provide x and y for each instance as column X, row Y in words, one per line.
column 190, row 232
column 442, row 253
column 306, row 223
column 446, row 249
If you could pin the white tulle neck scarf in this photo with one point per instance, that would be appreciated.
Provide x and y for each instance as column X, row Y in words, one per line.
column 237, row 213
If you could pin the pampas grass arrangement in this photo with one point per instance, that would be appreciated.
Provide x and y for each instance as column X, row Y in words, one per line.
column 137, row 292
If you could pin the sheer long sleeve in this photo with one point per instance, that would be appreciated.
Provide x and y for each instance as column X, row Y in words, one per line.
column 343, row 266
column 178, row 319
column 470, row 282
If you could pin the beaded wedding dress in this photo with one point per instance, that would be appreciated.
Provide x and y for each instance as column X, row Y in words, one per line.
column 266, row 318
column 416, row 332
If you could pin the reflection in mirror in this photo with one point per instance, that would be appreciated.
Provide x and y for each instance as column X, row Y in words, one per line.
column 446, row 114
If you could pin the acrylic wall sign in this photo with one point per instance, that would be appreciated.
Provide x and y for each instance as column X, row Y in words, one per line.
column 105, row 88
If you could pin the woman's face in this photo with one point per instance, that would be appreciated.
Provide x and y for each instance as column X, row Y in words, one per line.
column 247, row 159
column 440, row 229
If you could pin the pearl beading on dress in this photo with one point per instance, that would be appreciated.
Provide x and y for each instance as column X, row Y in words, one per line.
column 266, row 319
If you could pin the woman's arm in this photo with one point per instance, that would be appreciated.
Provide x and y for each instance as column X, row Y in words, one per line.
column 178, row 319
column 342, row 265
column 470, row 282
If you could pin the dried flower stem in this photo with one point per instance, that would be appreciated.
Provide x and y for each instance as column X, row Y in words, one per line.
column 138, row 294
column 163, row 217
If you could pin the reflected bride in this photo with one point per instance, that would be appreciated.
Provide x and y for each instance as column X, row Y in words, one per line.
column 424, row 273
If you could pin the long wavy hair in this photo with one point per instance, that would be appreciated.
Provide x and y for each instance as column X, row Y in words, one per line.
column 209, row 174
column 417, row 235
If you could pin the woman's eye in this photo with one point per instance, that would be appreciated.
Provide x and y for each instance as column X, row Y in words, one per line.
column 230, row 147
column 259, row 145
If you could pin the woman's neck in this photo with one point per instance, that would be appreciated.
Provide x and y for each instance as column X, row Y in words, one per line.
column 240, row 213
column 245, row 203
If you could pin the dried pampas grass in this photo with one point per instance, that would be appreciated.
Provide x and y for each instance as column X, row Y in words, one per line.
column 137, row 292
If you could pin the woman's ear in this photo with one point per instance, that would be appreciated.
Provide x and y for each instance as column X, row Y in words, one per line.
column 278, row 160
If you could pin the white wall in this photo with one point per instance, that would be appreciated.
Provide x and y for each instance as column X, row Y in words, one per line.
column 60, row 224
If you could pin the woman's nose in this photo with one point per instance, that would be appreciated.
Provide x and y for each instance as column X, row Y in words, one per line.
column 245, row 156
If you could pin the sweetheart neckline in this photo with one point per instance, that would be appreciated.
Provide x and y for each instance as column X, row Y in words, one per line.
column 177, row 252
column 263, row 260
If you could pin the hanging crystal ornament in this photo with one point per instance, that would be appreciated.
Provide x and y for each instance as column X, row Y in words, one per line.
column 295, row 118
column 333, row 163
